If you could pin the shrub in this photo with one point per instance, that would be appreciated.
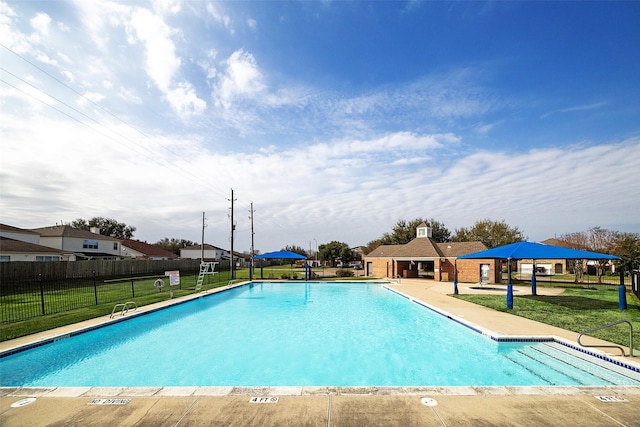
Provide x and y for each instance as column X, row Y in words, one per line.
column 285, row 276
column 341, row 272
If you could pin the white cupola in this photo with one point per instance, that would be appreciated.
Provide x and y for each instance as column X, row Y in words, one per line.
column 423, row 230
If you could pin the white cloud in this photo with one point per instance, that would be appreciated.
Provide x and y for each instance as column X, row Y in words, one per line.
column 218, row 16
column 129, row 96
column 167, row 6
column 160, row 58
column 10, row 36
column 184, row 100
column 40, row 23
column 63, row 27
column 242, row 78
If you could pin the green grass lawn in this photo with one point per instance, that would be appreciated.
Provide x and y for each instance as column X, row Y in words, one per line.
column 578, row 309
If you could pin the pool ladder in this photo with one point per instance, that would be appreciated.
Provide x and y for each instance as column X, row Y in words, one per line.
column 124, row 308
column 611, row 346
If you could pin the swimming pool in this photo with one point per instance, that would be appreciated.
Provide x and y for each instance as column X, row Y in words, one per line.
column 297, row 334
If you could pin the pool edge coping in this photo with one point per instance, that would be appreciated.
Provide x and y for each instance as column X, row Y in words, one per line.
column 498, row 337
column 221, row 391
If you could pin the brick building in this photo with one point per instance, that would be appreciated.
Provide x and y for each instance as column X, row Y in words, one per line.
column 424, row 257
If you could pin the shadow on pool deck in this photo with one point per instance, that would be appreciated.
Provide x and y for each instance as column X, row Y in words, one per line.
column 339, row 406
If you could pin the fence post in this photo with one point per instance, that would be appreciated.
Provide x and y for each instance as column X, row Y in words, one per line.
column 95, row 287
column 133, row 292
column 42, row 293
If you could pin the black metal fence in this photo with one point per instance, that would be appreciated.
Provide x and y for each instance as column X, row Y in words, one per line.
column 23, row 299
column 69, row 287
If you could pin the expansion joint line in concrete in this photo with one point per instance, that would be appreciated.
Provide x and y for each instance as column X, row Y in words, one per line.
column 186, row 412
column 329, row 413
column 435, row 411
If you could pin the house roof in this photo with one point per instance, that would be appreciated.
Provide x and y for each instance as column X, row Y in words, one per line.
column 147, row 249
column 422, row 247
column 9, row 228
column 206, row 246
column 68, row 231
column 12, row 245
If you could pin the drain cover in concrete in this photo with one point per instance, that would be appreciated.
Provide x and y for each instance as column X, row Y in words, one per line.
column 23, row 402
column 429, row 401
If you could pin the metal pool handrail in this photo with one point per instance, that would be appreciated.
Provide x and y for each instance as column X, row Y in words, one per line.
column 124, row 308
column 611, row 346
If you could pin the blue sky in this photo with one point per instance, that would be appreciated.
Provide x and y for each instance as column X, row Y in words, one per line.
column 336, row 119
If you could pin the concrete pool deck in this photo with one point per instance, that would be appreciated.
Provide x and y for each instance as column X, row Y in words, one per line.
column 338, row 406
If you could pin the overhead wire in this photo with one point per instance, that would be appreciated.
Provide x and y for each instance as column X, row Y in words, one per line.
column 136, row 147
column 185, row 174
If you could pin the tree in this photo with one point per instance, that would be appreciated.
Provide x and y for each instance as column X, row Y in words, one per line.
column 174, row 245
column 491, row 233
column 371, row 246
column 404, row 231
column 627, row 247
column 333, row 251
column 598, row 239
column 295, row 249
column 107, row 226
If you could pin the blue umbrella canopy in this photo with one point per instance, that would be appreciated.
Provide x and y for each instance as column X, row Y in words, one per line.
column 530, row 250
column 280, row 255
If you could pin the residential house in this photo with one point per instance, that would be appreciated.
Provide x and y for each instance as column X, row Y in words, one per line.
column 21, row 234
column 85, row 244
column 18, row 244
column 12, row 250
column 137, row 249
column 424, row 257
column 208, row 252
column 214, row 253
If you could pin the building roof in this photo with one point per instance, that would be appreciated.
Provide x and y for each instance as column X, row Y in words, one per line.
column 456, row 249
column 147, row 249
column 384, row 251
column 68, row 231
column 9, row 228
column 18, row 246
column 422, row 247
column 206, row 247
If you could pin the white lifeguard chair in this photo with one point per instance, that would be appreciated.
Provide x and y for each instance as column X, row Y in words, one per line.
column 206, row 268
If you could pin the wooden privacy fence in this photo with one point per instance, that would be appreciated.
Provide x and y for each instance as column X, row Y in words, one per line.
column 56, row 270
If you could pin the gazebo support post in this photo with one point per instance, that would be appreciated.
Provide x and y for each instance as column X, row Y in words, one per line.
column 622, row 292
column 455, row 277
column 509, row 285
column 533, row 278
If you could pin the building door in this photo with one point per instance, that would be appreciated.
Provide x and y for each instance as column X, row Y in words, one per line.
column 485, row 273
column 369, row 268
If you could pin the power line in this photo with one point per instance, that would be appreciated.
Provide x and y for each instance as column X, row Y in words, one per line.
column 188, row 174
column 185, row 174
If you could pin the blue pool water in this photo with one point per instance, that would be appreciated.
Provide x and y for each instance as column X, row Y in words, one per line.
column 280, row 334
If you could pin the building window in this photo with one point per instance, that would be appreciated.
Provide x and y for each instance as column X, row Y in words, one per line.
column 47, row 258
column 5, row 258
column 90, row 244
column 115, row 246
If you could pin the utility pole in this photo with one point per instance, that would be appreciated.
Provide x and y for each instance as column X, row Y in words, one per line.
column 202, row 245
column 233, row 227
column 252, row 247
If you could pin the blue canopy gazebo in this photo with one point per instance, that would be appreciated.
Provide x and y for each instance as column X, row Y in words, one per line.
column 532, row 251
column 280, row 255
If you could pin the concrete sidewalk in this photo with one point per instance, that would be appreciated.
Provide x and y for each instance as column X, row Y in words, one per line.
column 342, row 406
